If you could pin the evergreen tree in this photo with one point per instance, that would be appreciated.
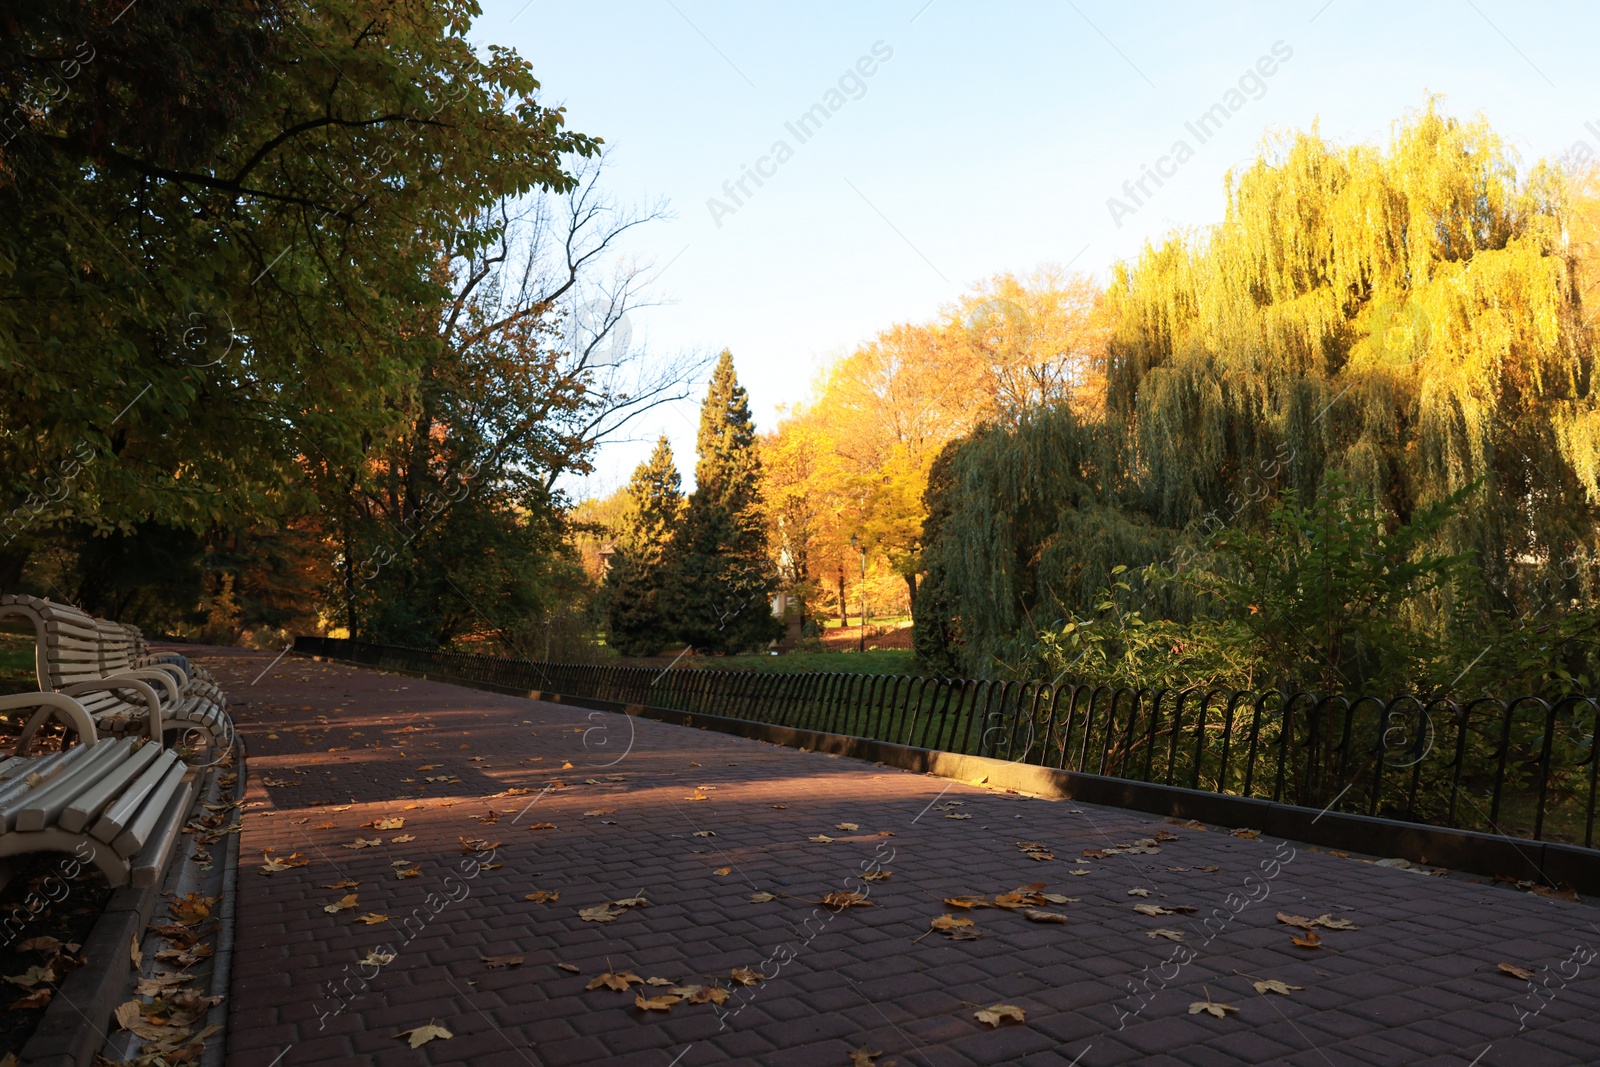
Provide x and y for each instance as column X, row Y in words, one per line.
column 634, row 623
column 720, row 580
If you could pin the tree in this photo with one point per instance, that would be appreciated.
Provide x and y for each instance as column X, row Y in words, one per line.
column 635, row 625
column 721, row 578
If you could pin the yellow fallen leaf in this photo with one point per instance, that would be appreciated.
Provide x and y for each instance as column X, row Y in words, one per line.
column 663, row 1003
column 745, row 976
column 841, row 900
column 344, row 903
column 424, row 1034
column 1170, row 935
column 600, row 913
column 762, row 898
column 543, row 896
column 847, row 826
column 1272, row 985
column 723, row 870
column 1211, row 1007
column 618, row 980
column 372, row 918
column 823, row 839
column 393, row 823
column 863, row 1056
column 402, row 839
column 995, row 1014
column 1311, row 940
column 1524, row 973
column 361, row 842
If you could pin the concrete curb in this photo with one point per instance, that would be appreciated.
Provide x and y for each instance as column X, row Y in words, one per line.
column 1468, row 851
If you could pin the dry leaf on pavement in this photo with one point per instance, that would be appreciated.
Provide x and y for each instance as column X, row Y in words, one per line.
column 424, row 1034
column 600, row 913
column 705, row 833
column 1272, row 985
column 823, row 839
column 1138, row 892
column 372, row 918
column 745, row 976
column 1211, row 1007
column 863, row 1057
column 1311, row 940
column 362, row 842
column 1525, row 973
column 495, row 963
column 618, row 980
column 762, row 898
column 995, row 1014
column 876, row 876
column 841, row 900
column 1039, row 915
column 655, row 1003
column 375, row 958
column 344, row 903
column 723, row 871
column 543, row 896
column 1170, row 935
column 273, row 865
column 846, row 826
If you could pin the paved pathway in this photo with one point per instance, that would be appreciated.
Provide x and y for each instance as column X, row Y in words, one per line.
column 333, row 748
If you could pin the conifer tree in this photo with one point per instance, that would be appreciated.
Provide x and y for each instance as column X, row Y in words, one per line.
column 716, row 596
column 634, row 623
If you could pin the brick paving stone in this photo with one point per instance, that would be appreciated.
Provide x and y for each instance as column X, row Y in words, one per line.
column 333, row 747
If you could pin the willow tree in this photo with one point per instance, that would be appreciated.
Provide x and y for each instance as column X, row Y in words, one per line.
column 1410, row 314
column 1407, row 315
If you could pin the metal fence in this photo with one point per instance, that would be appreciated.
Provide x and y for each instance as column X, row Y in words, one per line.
column 1522, row 766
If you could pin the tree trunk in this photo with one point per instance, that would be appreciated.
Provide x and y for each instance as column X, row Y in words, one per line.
column 844, row 618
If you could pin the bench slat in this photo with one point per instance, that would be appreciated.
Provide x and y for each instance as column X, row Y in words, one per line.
column 40, row 807
column 125, row 810
column 130, row 841
column 98, row 794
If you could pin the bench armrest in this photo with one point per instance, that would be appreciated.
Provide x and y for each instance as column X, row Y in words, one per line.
column 148, row 695
column 168, row 683
column 69, row 710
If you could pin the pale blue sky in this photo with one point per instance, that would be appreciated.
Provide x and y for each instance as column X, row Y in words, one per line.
column 989, row 141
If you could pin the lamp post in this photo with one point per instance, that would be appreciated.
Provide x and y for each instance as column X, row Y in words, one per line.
column 855, row 543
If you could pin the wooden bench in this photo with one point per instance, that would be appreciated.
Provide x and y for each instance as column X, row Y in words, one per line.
column 117, row 804
column 200, row 705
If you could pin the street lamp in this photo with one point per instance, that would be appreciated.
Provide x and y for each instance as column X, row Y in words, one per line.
column 855, row 543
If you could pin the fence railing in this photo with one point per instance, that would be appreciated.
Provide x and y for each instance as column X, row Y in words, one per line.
column 1522, row 766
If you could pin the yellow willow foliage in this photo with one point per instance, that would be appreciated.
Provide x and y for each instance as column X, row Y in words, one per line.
column 1408, row 314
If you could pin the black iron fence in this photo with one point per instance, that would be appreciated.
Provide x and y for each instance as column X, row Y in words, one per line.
column 1521, row 766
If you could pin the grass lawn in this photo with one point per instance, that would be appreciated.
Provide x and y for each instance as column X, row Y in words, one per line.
column 879, row 661
column 16, row 664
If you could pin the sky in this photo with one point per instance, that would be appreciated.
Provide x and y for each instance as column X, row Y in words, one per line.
column 963, row 140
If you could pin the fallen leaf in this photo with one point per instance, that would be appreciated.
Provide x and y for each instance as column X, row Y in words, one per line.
column 1297, row 920
column 823, row 839
column 345, row 884
column 192, row 908
column 762, row 898
column 745, row 976
column 372, row 918
column 663, row 1003
column 705, row 833
column 1311, row 940
column 1211, row 1007
column 394, row 823
column 1035, row 851
column 969, row 902
column 376, row 958
column 841, row 900
column 631, row 902
column 780, row 807
column 543, row 896
column 876, row 876
column 1138, row 892
column 1525, row 973
column 573, row 967
column 273, row 865
column 402, row 839
column 600, row 913
column 659, row 981
column 424, row 1034
column 1242, row 832
column 1039, row 915
column 846, row 826
column 1272, row 985
column 1153, row 909
column 957, row 815
column 1209, row 868
column 39, row 998
column 1170, row 935
column 543, row 826
column 1328, row 922
column 344, row 903
column 700, row 994
column 495, row 963
column 1079, row 871
column 600, row 811
column 361, row 842
column 412, row 872
column 699, row 794
column 995, row 1014
column 723, row 871
column 863, row 1056
column 948, row 923
column 618, row 980
column 323, row 826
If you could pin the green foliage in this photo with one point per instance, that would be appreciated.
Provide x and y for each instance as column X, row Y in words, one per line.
column 720, row 579
column 635, row 625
